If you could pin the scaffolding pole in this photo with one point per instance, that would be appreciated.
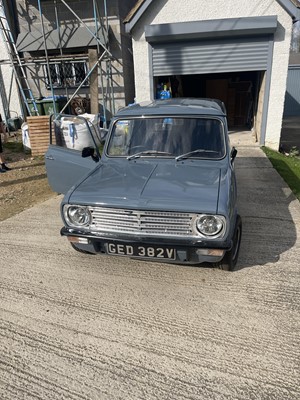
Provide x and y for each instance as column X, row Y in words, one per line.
column 60, row 46
column 105, row 58
column 95, row 36
column 83, row 82
column 109, row 83
column 46, row 54
column 96, row 17
column 13, row 54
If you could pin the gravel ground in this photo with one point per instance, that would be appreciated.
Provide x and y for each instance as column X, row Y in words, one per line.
column 25, row 185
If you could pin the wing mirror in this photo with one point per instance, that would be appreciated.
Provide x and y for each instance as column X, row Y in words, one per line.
column 90, row 152
column 233, row 154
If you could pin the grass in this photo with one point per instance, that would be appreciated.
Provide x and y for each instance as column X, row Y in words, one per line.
column 14, row 147
column 288, row 167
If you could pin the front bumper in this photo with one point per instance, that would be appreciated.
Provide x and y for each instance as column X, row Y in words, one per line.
column 188, row 251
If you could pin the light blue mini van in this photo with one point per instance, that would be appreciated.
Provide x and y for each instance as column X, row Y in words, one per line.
column 163, row 189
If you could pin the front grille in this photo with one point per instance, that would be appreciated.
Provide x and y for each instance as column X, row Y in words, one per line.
column 154, row 223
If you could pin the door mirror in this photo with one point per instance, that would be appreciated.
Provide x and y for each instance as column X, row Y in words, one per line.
column 90, row 152
column 233, row 154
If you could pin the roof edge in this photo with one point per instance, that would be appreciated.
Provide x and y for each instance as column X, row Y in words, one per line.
column 290, row 8
column 228, row 27
column 130, row 23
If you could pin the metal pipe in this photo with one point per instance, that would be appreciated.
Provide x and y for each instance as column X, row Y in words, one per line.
column 46, row 54
column 13, row 52
column 38, row 60
column 103, row 29
column 108, row 69
column 98, row 47
column 83, row 82
column 58, row 27
column 96, row 16
column 59, row 40
column 86, row 26
column 103, row 97
column 105, row 13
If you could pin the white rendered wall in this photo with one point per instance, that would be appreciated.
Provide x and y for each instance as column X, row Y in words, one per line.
column 199, row 10
column 7, row 73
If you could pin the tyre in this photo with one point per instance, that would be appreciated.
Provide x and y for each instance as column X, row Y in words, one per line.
column 230, row 259
column 80, row 250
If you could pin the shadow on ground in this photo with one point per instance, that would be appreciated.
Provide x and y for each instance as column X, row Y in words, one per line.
column 264, row 200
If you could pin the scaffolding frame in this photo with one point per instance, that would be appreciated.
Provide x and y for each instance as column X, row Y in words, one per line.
column 106, row 85
column 15, row 62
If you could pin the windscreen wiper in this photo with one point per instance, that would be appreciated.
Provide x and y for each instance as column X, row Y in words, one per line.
column 191, row 153
column 148, row 153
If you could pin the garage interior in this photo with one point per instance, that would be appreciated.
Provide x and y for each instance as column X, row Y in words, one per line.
column 241, row 92
column 228, row 59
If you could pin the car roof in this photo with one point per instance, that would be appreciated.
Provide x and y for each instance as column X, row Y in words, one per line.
column 177, row 106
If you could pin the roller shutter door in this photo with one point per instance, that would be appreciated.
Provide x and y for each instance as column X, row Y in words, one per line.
column 210, row 56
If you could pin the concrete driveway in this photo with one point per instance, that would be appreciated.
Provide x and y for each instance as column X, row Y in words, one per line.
column 85, row 327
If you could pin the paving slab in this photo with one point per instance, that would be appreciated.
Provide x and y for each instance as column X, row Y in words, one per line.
column 75, row 326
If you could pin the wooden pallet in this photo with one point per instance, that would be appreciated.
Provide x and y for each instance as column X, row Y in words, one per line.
column 39, row 134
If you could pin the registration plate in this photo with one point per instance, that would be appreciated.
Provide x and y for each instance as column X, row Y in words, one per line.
column 142, row 251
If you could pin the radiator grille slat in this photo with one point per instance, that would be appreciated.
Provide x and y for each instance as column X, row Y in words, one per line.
column 142, row 222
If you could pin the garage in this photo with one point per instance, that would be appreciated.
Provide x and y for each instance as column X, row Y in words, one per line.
column 239, row 91
column 233, row 68
column 238, row 53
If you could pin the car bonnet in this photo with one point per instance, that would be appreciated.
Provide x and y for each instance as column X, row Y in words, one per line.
column 168, row 186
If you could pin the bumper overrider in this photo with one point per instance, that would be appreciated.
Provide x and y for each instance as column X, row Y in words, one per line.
column 163, row 249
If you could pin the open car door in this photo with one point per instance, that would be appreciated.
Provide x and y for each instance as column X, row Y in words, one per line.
column 65, row 166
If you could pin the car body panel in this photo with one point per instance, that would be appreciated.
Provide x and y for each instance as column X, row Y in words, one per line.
column 158, row 185
column 65, row 167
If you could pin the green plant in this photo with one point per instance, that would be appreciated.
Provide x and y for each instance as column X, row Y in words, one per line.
column 288, row 167
column 294, row 152
column 14, row 147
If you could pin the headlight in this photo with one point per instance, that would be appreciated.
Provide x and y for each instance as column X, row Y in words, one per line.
column 210, row 225
column 77, row 216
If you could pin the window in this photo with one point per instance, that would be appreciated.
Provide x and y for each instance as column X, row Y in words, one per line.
column 66, row 74
column 172, row 136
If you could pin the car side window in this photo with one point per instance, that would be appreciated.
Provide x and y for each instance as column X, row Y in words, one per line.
column 77, row 132
column 122, row 133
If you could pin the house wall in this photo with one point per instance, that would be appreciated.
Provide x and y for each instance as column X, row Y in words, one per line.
column 171, row 11
column 9, row 93
column 29, row 18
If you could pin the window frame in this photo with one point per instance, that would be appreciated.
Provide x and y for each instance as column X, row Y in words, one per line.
column 108, row 143
column 61, row 81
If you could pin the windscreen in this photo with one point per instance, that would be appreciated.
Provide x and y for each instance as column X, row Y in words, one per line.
column 171, row 137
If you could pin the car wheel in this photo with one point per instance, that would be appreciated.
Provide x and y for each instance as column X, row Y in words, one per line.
column 80, row 250
column 230, row 259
